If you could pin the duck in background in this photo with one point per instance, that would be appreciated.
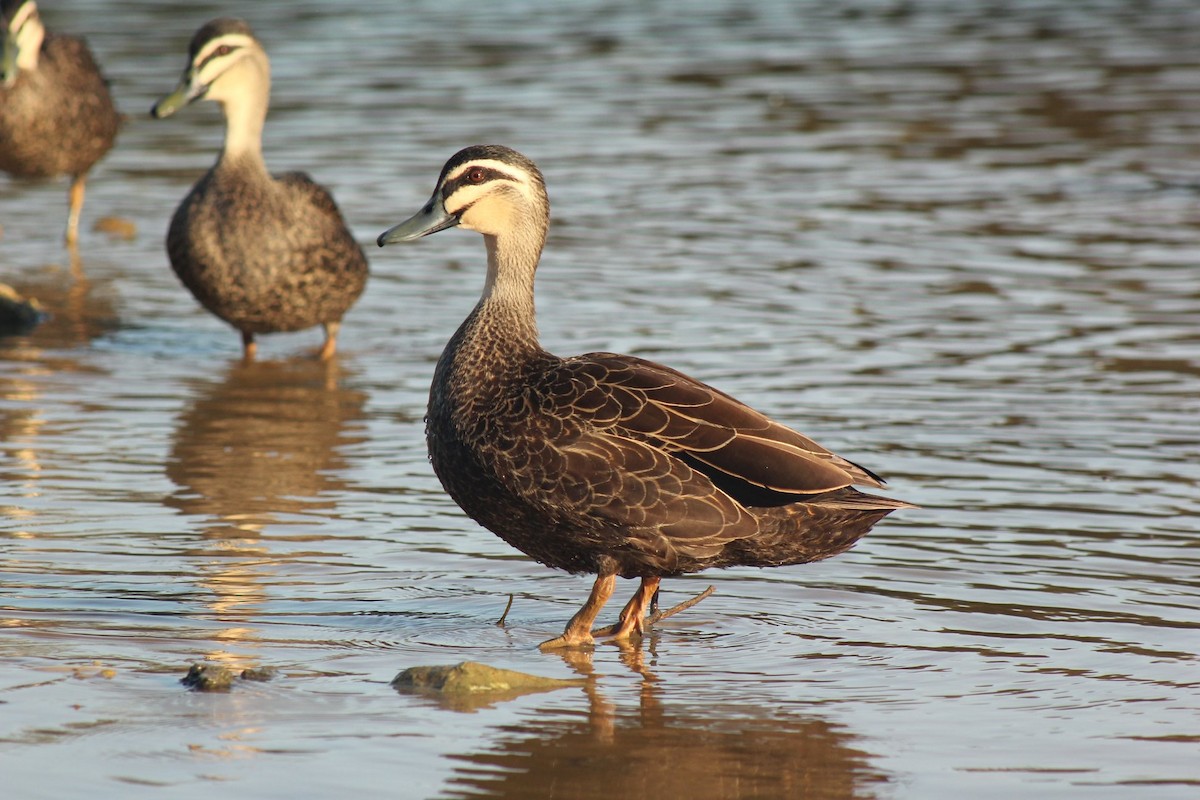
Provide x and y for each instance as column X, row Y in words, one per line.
column 57, row 116
column 264, row 253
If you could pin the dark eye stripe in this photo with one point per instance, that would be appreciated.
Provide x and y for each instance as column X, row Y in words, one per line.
column 220, row 52
column 489, row 174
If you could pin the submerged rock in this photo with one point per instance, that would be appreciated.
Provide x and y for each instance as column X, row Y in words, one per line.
column 471, row 685
column 208, row 678
column 259, row 673
column 216, row 678
column 117, row 228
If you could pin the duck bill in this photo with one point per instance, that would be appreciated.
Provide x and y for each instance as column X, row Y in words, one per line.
column 8, row 66
column 188, row 91
column 430, row 219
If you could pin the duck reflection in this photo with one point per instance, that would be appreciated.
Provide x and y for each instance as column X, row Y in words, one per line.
column 261, row 446
column 657, row 750
column 264, row 443
column 75, row 311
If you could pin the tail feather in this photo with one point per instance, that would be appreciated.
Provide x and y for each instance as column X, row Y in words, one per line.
column 854, row 500
column 814, row 529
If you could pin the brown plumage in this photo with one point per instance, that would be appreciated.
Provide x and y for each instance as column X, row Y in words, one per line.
column 605, row 463
column 57, row 116
column 264, row 253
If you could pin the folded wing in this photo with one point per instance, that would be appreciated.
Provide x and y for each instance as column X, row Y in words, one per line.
column 708, row 429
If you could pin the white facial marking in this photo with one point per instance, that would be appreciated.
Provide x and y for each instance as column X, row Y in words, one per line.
column 467, row 194
column 486, row 163
column 24, row 14
column 209, row 66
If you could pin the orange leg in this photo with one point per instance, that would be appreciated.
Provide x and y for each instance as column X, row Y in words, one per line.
column 74, row 206
column 330, row 347
column 249, row 348
column 579, row 630
column 634, row 613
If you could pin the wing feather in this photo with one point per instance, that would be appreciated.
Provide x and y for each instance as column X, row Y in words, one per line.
column 672, row 463
column 667, row 409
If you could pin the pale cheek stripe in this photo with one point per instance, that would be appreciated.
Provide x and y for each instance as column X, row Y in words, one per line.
column 209, row 52
column 488, row 164
column 24, row 14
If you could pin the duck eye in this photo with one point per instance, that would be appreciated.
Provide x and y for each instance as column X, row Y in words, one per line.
column 476, row 175
column 224, row 50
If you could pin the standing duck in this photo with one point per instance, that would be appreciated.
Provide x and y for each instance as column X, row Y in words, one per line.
column 604, row 463
column 264, row 253
column 56, row 114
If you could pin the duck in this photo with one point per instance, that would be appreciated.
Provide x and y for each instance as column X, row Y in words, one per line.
column 265, row 253
column 57, row 115
column 603, row 463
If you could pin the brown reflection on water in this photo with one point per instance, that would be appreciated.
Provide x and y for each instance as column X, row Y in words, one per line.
column 660, row 750
column 263, row 443
column 259, row 447
column 78, row 311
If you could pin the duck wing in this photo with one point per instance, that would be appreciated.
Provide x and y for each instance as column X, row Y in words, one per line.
column 673, row 463
column 726, row 439
column 660, row 504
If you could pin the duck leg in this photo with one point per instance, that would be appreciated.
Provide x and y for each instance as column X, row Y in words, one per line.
column 579, row 630
column 633, row 615
column 249, row 348
column 330, row 346
column 74, row 206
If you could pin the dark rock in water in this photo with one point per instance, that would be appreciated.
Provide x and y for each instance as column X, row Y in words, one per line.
column 17, row 314
column 259, row 674
column 216, row 678
column 208, row 678
column 471, row 685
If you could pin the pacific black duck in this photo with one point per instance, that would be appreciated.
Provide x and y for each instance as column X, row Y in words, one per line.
column 56, row 114
column 264, row 253
column 604, row 463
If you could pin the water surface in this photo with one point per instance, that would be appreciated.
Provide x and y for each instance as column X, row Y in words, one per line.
column 953, row 241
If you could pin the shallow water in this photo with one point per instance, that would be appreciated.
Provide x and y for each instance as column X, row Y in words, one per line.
column 953, row 241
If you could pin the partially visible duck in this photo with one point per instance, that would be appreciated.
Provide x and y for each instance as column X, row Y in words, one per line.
column 57, row 116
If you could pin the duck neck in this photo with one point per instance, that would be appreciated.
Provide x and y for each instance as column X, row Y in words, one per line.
column 30, row 36
column 244, row 107
column 507, row 302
